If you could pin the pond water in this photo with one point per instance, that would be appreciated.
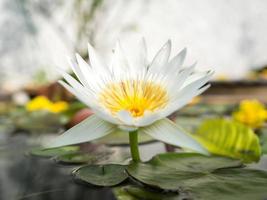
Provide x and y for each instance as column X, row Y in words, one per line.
column 32, row 178
column 24, row 177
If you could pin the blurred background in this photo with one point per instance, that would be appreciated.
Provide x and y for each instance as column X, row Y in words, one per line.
column 37, row 35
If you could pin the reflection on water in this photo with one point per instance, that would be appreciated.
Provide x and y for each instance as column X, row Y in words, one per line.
column 30, row 178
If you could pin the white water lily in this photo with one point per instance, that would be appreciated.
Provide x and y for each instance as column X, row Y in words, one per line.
column 133, row 96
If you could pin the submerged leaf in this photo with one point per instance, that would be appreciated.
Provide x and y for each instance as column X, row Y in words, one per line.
column 102, row 175
column 229, row 138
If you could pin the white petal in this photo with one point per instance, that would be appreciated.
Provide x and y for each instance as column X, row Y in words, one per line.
column 78, row 72
column 147, row 119
column 161, row 58
column 83, row 66
column 126, row 117
column 96, row 63
column 177, row 62
column 89, row 129
column 166, row 131
column 139, row 61
column 198, row 76
column 181, row 101
column 119, row 64
column 82, row 97
column 197, row 83
column 177, row 81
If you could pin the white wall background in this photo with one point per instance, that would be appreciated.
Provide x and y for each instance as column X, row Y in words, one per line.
column 226, row 35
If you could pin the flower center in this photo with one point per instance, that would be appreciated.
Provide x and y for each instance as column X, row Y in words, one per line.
column 134, row 96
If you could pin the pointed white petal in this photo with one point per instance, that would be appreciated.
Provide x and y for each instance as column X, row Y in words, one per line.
column 181, row 101
column 161, row 58
column 197, row 83
column 166, row 131
column 119, row 64
column 96, row 63
column 81, row 96
column 85, row 68
column 143, row 53
column 140, row 60
column 89, row 129
column 177, row 62
column 198, row 76
column 78, row 72
column 178, row 80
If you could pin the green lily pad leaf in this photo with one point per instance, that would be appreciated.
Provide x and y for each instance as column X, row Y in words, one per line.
column 120, row 137
column 55, row 151
column 131, row 192
column 100, row 155
column 201, row 177
column 102, row 175
column 229, row 138
column 164, row 170
column 76, row 158
column 37, row 122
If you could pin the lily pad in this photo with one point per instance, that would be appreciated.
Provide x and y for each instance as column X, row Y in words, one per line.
column 201, row 177
column 132, row 192
column 76, row 158
column 99, row 156
column 55, row 151
column 229, row 138
column 36, row 122
column 102, row 175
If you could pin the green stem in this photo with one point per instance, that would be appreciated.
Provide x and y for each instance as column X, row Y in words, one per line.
column 133, row 137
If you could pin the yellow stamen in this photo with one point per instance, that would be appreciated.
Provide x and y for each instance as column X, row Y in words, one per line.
column 134, row 96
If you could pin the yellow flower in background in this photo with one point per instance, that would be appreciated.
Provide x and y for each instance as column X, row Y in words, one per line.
column 38, row 103
column 43, row 103
column 59, row 106
column 252, row 113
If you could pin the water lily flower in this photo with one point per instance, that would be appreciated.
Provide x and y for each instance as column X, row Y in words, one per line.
column 135, row 96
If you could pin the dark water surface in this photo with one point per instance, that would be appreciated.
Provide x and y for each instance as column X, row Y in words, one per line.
column 24, row 177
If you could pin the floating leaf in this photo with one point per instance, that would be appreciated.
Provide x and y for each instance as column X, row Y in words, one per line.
column 131, row 192
column 229, row 138
column 76, row 158
column 55, row 151
column 100, row 155
column 102, row 175
column 36, row 122
column 201, row 177
column 159, row 172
